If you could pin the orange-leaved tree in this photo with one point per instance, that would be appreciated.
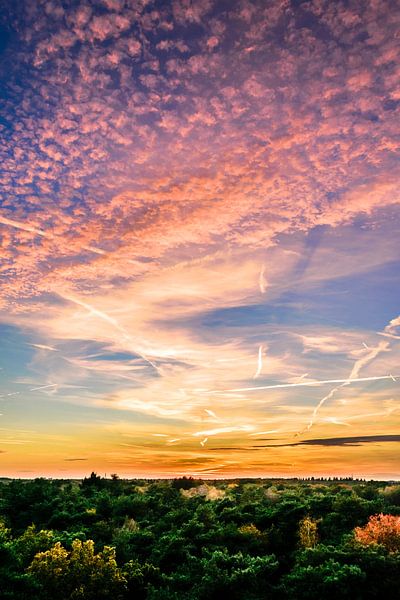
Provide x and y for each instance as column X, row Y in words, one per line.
column 380, row 529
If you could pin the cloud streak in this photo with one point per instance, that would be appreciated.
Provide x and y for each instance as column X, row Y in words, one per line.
column 344, row 441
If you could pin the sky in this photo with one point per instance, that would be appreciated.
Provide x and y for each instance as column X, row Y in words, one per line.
column 199, row 225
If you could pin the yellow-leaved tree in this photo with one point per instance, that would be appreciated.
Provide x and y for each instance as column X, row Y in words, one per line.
column 78, row 574
column 308, row 532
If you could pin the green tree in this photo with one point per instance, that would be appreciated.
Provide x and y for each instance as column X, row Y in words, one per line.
column 329, row 580
column 237, row 576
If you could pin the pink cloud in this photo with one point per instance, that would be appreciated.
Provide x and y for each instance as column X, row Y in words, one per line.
column 116, row 5
column 212, row 42
column 146, row 157
column 103, row 27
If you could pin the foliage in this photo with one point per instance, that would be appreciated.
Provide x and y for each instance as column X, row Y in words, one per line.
column 329, row 580
column 380, row 529
column 238, row 575
column 79, row 573
column 166, row 540
column 308, row 532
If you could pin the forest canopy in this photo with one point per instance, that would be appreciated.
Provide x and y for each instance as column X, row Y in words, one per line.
column 189, row 539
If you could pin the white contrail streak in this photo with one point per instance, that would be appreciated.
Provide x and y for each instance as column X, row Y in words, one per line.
column 203, row 442
column 264, row 432
column 336, row 421
column 303, row 376
column 218, row 430
column 373, row 353
column 105, row 317
column 389, row 335
column 42, row 233
column 23, row 227
column 260, row 362
column 304, row 383
column 361, row 362
column 44, row 347
column 262, row 282
column 211, row 413
column 95, row 250
column 43, row 387
column 319, row 405
column 102, row 315
column 35, row 389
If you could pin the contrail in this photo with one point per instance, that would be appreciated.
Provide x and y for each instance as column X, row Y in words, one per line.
column 42, row 233
column 44, row 347
column 264, row 432
column 260, row 362
column 389, row 335
column 319, row 405
column 105, row 317
column 102, row 315
column 361, row 362
column 35, row 389
column 336, row 421
column 203, row 442
column 358, row 365
column 94, row 250
column 381, row 347
column 43, row 387
column 305, row 383
column 211, row 413
column 23, row 227
column 262, row 282
column 218, row 430
column 303, row 376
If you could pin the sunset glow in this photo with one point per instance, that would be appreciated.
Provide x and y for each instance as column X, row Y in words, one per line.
column 199, row 238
